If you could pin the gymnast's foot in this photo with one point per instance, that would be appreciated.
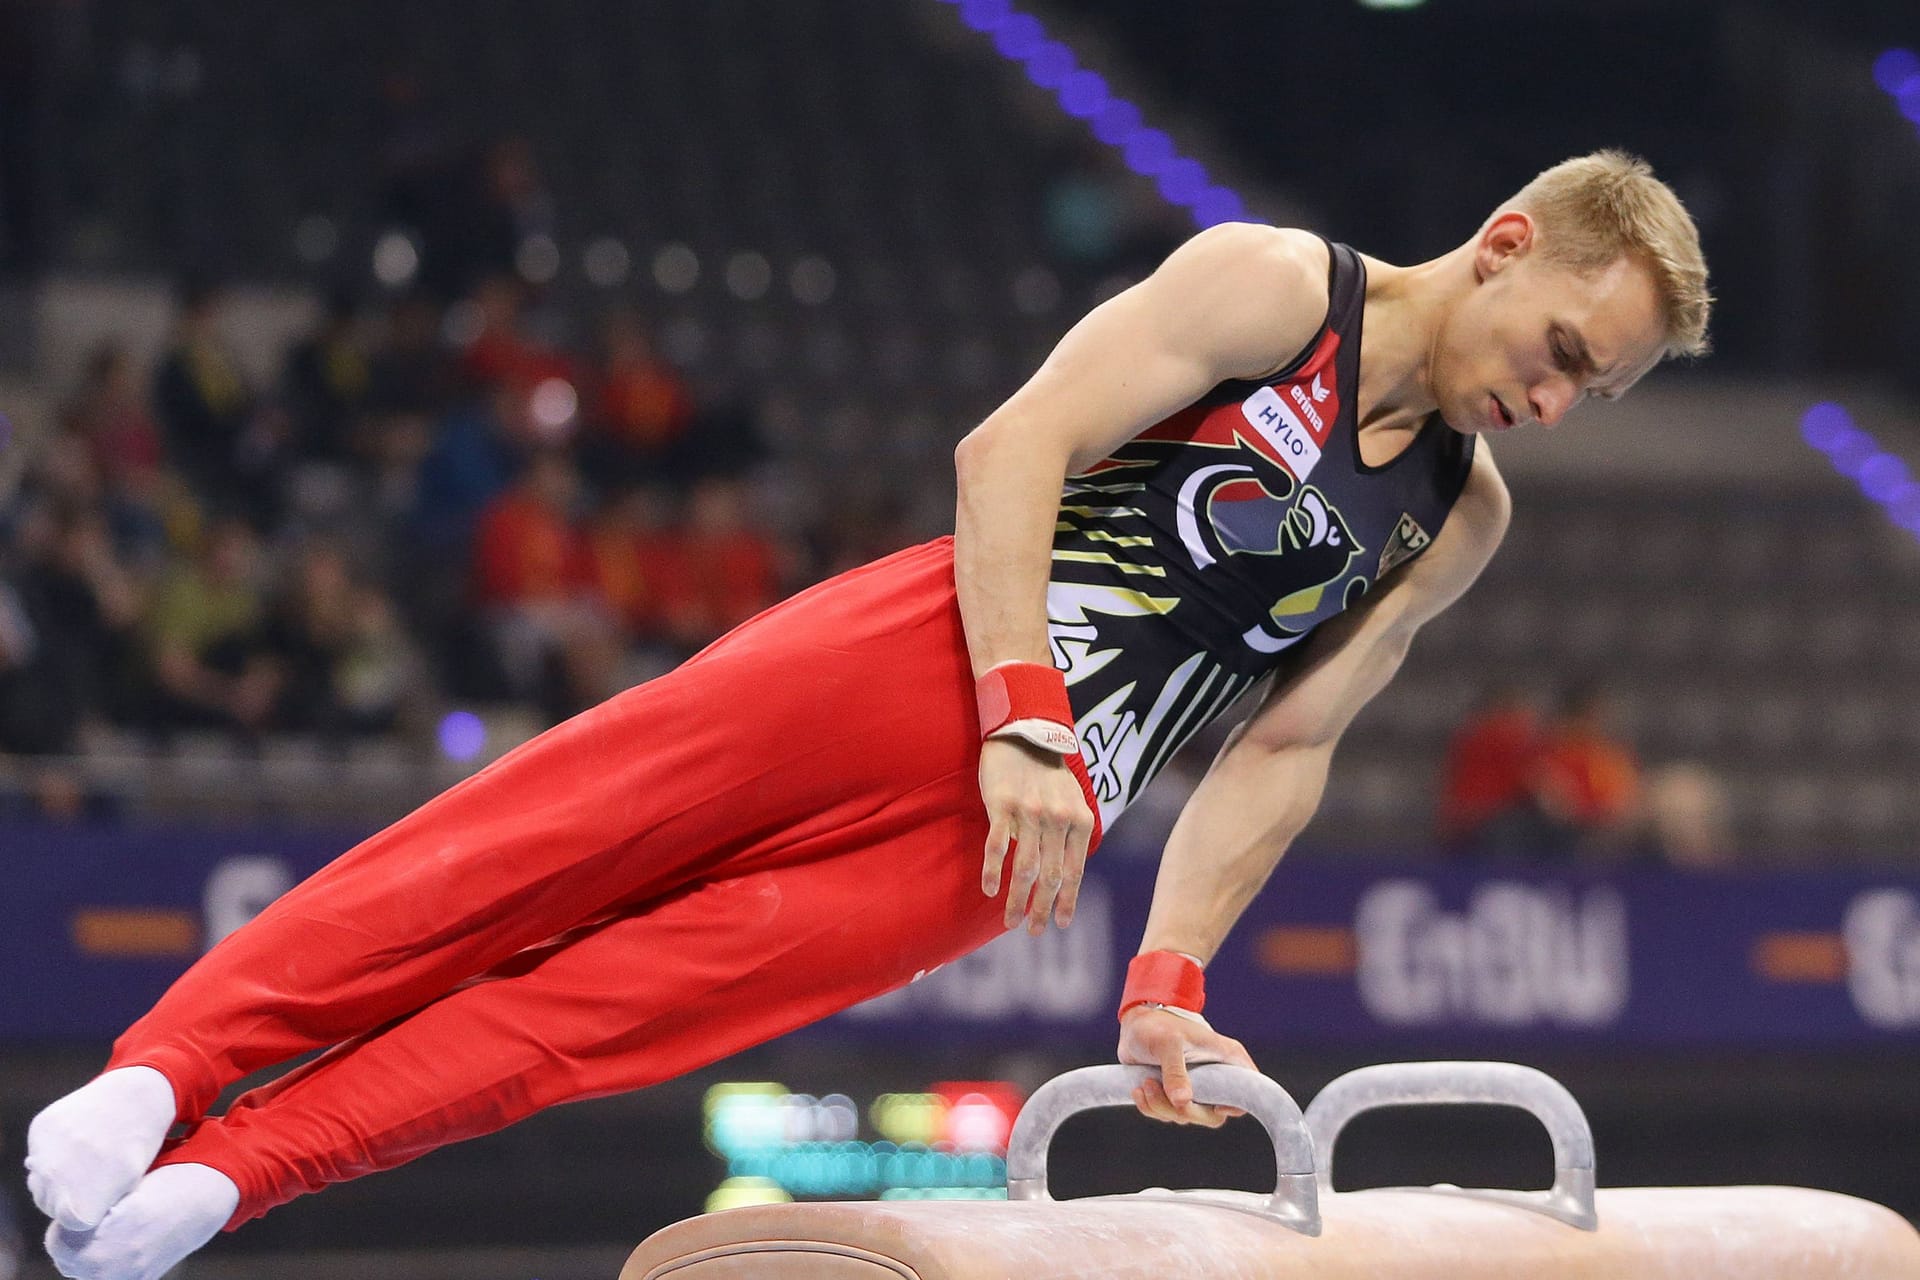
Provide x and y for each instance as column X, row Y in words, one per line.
column 173, row 1211
column 88, row 1149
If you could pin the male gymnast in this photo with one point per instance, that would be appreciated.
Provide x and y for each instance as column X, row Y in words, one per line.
column 1260, row 466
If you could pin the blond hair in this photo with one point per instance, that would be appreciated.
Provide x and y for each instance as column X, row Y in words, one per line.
column 1595, row 209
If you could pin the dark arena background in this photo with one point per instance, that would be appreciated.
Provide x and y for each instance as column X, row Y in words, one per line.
column 384, row 382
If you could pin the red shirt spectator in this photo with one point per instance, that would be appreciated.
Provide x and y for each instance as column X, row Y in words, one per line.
column 526, row 549
column 501, row 353
column 643, row 403
column 1588, row 780
column 1490, row 766
column 637, row 563
column 725, row 571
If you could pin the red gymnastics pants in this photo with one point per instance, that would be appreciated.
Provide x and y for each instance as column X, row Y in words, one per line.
column 786, row 825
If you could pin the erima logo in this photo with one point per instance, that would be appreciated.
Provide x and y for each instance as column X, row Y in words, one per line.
column 1301, row 398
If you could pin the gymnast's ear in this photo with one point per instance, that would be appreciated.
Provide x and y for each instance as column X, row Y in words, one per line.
column 1508, row 236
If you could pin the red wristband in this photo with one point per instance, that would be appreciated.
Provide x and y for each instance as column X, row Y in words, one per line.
column 1164, row 977
column 1029, row 699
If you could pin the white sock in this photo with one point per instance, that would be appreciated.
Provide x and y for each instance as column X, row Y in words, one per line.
column 88, row 1149
column 173, row 1211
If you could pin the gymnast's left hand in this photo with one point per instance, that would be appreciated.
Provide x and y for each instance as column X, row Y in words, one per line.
column 1156, row 1038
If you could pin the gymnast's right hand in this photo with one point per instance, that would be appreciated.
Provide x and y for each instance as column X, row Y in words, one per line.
column 1151, row 1037
column 1035, row 807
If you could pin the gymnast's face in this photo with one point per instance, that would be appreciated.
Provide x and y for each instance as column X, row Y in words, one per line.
column 1534, row 338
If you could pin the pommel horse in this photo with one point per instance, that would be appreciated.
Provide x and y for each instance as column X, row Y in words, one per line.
column 1304, row 1228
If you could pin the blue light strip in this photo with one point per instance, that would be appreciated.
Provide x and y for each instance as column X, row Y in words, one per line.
column 1897, row 72
column 1828, row 427
column 1855, row 454
column 1084, row 95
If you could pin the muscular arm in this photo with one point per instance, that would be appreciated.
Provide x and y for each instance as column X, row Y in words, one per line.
column 1236, row 301
column 1268, row 778
column 1233, row 302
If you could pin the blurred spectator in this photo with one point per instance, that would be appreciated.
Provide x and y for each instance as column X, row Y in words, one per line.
column 502, row 351
column 205, row 405
column 471, row 460
column 474, row 223
column 344, row 665
column 108, row 417
column 210, row 664
column 729, row 570
column 1688, row 822
column 82, row 604
column 534, row 583
column 326, row 382
column 1588, row 781
column 636, row 559
column 642, row 405
column 1486, row 788
column 410, row 371
column 109, row 412
column 415, row 150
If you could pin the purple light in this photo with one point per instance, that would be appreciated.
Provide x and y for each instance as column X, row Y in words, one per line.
column 1217, row 205
column 462, row 735
column 985, row 15
column 1825, row 425
column 1182, row 182
column 1894, row 68
column 1908, row 99
column 1083, row 94
column 1019, row 35
column 6, row 431
column 1049, row 64
column 1116, row 122
column 1852, row 453
column 1883, row 477
column 1148, row 151
column 1906, row 509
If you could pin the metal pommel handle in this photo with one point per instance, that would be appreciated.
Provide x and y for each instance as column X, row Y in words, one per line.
column 1295, row 1201
column 1418, row 1084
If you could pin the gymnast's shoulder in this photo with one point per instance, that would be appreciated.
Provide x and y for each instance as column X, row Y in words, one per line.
column 1249, row 278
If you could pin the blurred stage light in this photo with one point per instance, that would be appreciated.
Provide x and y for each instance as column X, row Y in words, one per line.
column 812, row 280
column 552, row 406
column 676, row 268
column 985, row 15
column 736, row 1193
column 1085, row 95
column 1893, row 69
column 1082, row 94
column 748, row 276
column 462, row 735
column 1391, row 4
column 1049, row 63
column 537, row 259
column 1882, row 476
column 1018, row 36
column 1116, row 122
column 395, row 259
column 1182, row 182
column 606, row 262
